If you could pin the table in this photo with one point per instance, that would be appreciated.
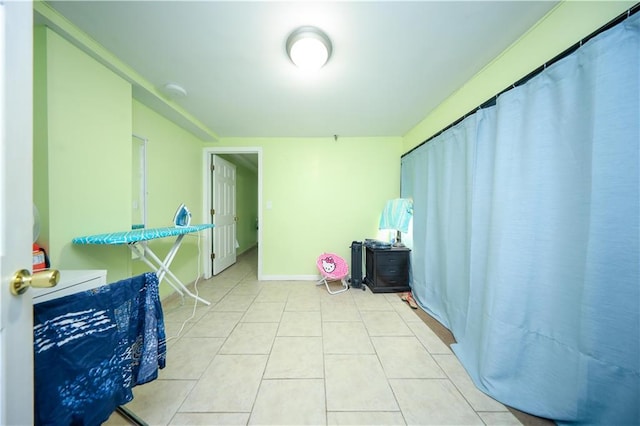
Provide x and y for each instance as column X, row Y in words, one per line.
column 71, row 281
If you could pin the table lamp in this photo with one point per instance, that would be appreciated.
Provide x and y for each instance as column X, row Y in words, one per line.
column 396, row 215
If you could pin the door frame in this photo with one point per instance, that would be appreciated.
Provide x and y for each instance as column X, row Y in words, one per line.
column 206, row 200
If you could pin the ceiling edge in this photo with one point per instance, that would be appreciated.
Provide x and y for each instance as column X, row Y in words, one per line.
column 142, row 90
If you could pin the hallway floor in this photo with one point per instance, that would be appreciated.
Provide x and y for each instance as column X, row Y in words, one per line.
column 289, row 353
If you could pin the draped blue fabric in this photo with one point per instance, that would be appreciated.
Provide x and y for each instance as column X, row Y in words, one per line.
column 440, row 172
column 396, row 215
column 91, row 348
column 527, row 236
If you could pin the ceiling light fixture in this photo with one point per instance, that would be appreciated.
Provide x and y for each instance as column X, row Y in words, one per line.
column 309, row 48
column 174, row 91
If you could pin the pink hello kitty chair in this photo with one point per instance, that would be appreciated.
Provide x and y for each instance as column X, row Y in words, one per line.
column 332, row 268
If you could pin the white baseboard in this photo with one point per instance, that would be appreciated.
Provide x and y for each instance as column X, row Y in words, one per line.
column 290, row 278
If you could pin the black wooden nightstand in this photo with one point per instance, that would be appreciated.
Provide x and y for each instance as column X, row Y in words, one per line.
column 387, row 270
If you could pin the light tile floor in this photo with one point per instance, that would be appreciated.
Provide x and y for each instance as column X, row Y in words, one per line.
column 289, row 353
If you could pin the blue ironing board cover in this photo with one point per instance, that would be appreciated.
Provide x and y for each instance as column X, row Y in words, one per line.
column 137, row 235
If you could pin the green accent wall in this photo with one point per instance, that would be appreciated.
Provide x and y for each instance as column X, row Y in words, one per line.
column 246, row 205
column 84, row 117
column 82, row 155
column 247, row 209
column 40, row 133
column 174, row 176
column 319, row 195
column 562, row 27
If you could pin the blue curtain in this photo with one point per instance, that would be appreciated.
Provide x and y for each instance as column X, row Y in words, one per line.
column 437, row 177
column 526, row 236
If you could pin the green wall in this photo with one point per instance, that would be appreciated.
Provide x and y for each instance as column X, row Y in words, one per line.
column 40, row 133
column 247, row 208
column 562, row 27
column 82, row 154
column 246, row 205
column 84, row 117
column 174, row 176
column 319, row 195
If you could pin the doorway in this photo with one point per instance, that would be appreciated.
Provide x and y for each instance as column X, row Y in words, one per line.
column 244, row 157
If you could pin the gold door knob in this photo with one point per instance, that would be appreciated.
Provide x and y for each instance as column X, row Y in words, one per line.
column 23, row 279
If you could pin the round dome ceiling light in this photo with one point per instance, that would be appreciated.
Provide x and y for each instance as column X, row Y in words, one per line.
column 174, row 91
column 309, row 48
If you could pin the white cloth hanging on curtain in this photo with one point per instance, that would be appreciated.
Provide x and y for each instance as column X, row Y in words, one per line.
column 527, row 236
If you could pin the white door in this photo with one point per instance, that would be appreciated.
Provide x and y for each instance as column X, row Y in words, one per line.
column 16, row 314
column 223, row 183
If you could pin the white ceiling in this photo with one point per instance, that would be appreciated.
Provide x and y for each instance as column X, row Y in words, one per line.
column 392, row 63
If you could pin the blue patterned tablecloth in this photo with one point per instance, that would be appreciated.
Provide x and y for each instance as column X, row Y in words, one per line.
column 137, row 235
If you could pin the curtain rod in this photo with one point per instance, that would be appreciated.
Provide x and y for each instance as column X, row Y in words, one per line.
column 492, row 101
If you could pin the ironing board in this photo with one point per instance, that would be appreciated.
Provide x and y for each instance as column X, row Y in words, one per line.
column 136, row 240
